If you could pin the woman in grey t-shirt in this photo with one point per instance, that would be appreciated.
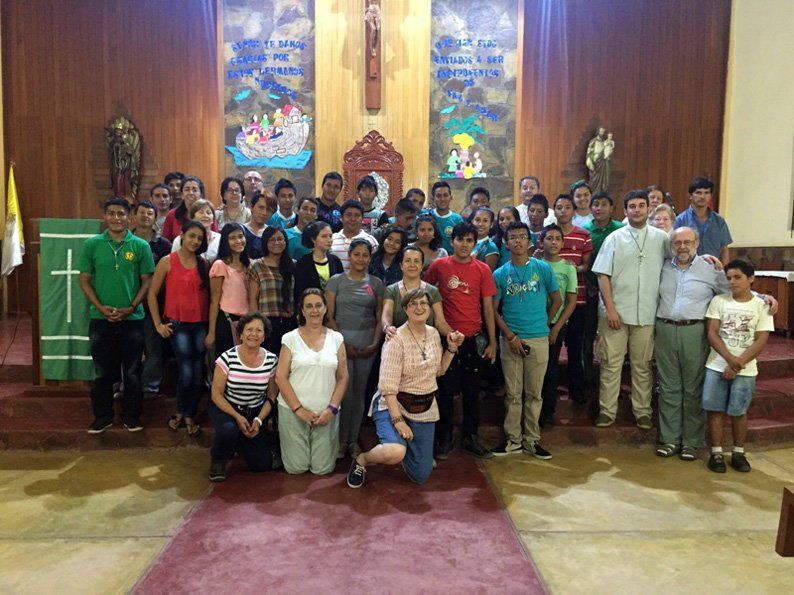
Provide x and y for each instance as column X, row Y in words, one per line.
column 355, row 302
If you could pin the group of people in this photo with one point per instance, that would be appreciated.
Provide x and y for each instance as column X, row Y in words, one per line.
column 305, row 315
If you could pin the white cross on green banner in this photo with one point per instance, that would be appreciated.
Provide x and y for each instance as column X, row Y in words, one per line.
column 65, row 351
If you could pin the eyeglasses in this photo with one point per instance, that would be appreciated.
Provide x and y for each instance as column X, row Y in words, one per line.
column 684, row 243
column 276, row 240
column 416, row 305
column 513, row 238
column 234, row 191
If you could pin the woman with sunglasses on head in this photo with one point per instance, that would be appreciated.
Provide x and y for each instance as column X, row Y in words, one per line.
column 405, row 408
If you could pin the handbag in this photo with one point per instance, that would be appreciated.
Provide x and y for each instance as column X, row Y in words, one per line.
column 415, row 403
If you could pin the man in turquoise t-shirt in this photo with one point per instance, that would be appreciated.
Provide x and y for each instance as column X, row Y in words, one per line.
column 115, row 273
column 524, row 285
column 446, row 220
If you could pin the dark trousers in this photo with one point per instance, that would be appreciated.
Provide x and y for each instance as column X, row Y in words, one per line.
column 228, row 439
column 116, row 346
column 188, row 345
column 152, row 372
column 590, row 331
column 223, row 332
column 551, row 380
column 464, row 375
column 281, row 326
column 574, row 341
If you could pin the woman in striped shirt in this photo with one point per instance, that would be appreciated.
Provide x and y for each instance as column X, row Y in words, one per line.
column 242, row 398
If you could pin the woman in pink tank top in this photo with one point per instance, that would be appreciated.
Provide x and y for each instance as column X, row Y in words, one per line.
column 186, row 282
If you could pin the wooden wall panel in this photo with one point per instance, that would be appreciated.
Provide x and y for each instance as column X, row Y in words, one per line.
column 404, row 118
column 651, row 72
column 70, row 66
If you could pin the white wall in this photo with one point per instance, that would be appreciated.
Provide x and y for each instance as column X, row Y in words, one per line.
column 756, row 193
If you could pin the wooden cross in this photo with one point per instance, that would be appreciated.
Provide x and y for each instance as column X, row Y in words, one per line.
column 372, row 37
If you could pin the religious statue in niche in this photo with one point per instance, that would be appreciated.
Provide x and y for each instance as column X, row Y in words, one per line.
column 599, row 155
column 276, row 140
column 124, row 153
column 463, row 161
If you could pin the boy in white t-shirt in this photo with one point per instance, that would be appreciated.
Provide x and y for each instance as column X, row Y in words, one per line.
column 738, row 327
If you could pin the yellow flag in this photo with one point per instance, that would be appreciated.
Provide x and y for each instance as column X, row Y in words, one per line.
column 14, row 238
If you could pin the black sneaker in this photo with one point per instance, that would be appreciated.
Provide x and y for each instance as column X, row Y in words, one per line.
column 717, row 463
column 472, row 446
column 442, row 449
column 356, row 475
column 133, row 425
column 505, row 448
column 218, row 471
column 537, row 451
column 99, row 426
column 739, row 462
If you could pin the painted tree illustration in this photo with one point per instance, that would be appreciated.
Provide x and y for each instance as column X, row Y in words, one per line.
column 464, row 133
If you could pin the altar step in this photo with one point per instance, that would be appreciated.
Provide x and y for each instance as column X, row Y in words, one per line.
column 49, row 419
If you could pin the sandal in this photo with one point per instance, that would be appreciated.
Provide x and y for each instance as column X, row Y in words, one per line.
column 688, row 453
column 193, row 428
column 176, row 422
column 666, row 450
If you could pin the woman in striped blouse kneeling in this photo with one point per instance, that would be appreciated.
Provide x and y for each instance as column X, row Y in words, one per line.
column 242, row 398
column 404, row 408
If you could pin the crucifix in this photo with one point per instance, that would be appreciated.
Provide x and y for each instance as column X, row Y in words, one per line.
column 372, row 36
column 68, row 272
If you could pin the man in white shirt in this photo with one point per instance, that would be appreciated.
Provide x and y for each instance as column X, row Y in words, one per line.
column 628, row 267
column 352, row 218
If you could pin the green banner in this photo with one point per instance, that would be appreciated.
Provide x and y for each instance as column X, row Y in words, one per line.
column 65, row 351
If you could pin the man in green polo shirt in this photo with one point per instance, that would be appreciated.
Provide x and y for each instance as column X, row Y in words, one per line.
column 115, row 273
column 601, row 207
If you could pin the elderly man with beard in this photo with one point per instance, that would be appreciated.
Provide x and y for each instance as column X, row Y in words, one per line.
column 688, row 282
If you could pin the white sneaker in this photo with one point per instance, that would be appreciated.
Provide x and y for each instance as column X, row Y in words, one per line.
column 340, row 454
column 354, row 450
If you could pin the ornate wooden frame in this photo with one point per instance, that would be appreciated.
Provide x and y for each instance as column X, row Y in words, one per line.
column 374, row 153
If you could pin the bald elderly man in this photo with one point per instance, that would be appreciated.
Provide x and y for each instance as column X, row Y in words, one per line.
column 688, row 283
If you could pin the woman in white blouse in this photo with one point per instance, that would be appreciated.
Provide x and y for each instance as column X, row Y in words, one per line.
column 405, row 408
column 312, row 377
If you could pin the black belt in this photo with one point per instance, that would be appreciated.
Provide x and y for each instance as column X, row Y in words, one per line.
column 679, row 322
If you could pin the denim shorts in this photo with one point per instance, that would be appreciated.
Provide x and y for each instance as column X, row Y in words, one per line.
column 730, row 396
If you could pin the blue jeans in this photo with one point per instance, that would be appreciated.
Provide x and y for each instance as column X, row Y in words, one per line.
column 730, row 396
column 418, row 460
column 188, row 345
column 228, row 439
column 116, row 346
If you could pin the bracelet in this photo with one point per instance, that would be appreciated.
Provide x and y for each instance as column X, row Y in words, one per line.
column 452, row 352
column 299, row 407
column 259, row 420
column 511, row 339
column 334, row 409
column 397, row 419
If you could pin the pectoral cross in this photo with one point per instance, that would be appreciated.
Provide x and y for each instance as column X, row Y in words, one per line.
column 372, row 36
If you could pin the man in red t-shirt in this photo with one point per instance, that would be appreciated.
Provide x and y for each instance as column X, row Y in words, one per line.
column 577, row 249
column 466, row 286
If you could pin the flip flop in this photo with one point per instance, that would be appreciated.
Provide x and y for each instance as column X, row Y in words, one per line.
column 175, row 422
column 193, row 429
